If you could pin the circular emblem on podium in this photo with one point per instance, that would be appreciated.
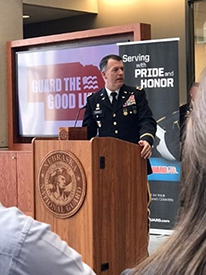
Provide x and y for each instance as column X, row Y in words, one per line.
column 62, row 183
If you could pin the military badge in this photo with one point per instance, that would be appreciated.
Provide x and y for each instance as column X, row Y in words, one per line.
column 97, row 106
column 97, row 112
column 134, row 110
column 125, row 112
column 130, row 101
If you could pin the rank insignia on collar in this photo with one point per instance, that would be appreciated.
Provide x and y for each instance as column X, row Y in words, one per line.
column 90, row 94
column 139, row 88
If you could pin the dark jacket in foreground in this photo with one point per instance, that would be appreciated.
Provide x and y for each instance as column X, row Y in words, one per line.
column 130, row 120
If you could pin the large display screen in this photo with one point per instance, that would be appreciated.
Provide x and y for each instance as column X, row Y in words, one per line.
column 52, row 86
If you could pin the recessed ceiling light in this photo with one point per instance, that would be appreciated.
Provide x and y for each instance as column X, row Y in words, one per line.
column 25, row 16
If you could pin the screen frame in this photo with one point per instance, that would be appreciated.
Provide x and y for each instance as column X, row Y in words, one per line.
column 109, row 35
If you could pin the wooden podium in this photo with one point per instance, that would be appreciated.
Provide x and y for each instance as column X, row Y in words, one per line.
column 109, row 229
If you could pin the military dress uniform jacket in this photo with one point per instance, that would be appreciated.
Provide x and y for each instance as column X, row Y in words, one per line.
column 130, row 119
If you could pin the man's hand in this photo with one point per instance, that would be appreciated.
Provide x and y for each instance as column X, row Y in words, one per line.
column 146, row 151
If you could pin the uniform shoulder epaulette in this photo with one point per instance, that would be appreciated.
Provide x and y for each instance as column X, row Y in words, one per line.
column 139, row 88
column 90, row 94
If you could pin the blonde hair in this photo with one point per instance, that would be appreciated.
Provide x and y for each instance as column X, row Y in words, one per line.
column 185, row 251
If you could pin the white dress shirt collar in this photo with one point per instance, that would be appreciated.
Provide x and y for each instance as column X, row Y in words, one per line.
column 109, row 93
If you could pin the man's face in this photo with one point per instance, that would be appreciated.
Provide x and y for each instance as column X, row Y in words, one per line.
column 113, row 75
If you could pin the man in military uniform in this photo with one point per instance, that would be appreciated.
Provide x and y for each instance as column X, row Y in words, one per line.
column 120, row 111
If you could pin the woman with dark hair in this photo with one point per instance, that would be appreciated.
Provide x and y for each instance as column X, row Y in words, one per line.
column 184, row 253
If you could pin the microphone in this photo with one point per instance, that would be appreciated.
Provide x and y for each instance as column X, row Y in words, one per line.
column 78, row 113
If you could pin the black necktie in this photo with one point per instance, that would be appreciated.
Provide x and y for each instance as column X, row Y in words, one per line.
column 114, row 98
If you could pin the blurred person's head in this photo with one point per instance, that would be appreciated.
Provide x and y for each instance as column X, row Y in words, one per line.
column 185, row 251
column 193, row 90
column 194, row 153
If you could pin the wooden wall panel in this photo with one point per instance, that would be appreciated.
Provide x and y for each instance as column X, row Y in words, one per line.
column 8, row 183
column 25, row 182
column 16, row 183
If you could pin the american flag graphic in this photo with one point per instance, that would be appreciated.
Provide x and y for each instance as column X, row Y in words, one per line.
column 90, row 82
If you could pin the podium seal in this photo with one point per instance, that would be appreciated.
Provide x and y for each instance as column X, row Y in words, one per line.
column 62, row 183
